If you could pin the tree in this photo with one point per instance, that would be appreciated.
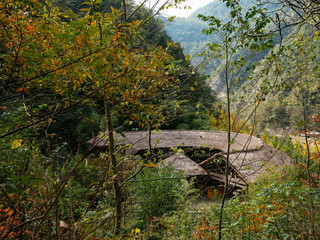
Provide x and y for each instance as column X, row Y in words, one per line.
column 238, row 33
column 303, row 12
column 75, row 60
column 231, row 54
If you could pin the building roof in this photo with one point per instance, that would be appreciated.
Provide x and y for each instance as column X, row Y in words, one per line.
column 184, row 138
column 249, row 155
column 181, row 162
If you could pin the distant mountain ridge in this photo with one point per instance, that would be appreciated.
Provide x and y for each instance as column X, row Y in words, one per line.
column 272, row 114
column 188, row 32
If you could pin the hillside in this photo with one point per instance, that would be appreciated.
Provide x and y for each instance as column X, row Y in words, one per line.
column 293, row 92
column 274, row 115
column 188, row 32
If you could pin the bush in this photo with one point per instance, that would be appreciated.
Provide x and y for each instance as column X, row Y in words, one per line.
column 279, row 206
column 159, row 191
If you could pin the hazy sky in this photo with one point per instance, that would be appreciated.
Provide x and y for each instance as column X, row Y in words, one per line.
column 194, row 4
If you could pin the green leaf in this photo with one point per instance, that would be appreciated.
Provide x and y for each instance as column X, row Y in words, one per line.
column 171, row 19
column 187, row 57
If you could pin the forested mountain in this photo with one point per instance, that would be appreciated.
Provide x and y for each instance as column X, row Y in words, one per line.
column 294, row 90
column 188, row 31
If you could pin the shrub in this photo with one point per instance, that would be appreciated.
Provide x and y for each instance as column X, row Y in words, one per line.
column 279, row 206
column 159, row 191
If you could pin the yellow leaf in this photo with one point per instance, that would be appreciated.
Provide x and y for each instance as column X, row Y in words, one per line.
column 150, row 165
column 135, row 231
column 16, row 143
column 192, row 88
column 11, row 195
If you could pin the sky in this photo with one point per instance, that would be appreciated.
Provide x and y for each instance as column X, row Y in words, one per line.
column 194, row 4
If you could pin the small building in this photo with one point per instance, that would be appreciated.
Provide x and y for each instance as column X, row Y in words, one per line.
column 208, row 180
column 203, row 153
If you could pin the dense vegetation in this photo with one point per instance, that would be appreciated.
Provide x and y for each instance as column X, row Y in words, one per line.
column 274, row 114
column 72, row 69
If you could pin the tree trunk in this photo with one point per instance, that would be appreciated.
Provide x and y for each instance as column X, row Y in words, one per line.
column 115, row 177
column 226, row 172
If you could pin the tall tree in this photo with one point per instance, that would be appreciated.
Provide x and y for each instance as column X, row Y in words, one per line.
column 230, row 51
column 77, row 59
